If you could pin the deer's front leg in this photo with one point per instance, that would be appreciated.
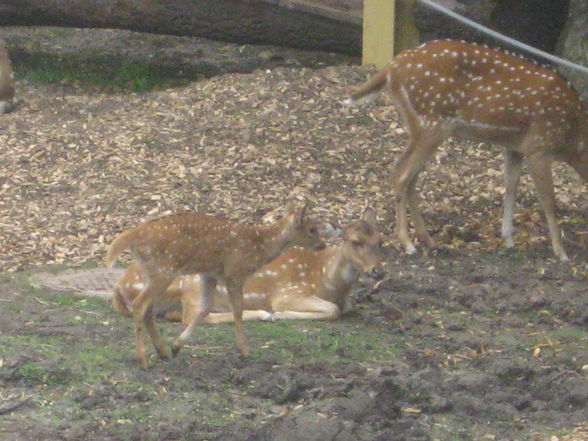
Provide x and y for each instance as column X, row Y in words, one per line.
column 235, row 291
column 400, row 188
column 417, row 216
column 513, row 163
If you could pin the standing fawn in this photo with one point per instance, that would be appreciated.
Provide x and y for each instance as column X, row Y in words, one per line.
column 299, row 284
column 6, row 81
column 452, row 88
column 218, row 249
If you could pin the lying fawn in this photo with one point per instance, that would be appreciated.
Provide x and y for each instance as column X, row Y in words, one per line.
column 452, row 88
column 299, row 284
column 218, row 249
column 6, row 81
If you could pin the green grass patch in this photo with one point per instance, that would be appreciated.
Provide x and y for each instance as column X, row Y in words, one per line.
column 73, row 301
column 43, row 344
column 571, row 333
column 37, row 374
column 564, row 339
column 90, row 360
column 21, row 281
column 107, row 72
column 313, row 341
column 97, row 361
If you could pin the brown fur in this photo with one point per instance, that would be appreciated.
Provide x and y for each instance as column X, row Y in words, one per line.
column 299, row 284
column 452, row 88
column 220, row 250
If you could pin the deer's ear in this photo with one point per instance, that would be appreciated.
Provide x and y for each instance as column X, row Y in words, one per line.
column 298, row 212
column 290, row 207
column 369, row 215
column 295, row 211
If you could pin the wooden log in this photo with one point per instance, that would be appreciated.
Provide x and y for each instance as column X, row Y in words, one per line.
column 296, row 23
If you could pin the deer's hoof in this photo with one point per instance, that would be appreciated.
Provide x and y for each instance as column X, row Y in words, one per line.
column 267, row 316
column 166, row 355
column 410, row 249
column 244, row 351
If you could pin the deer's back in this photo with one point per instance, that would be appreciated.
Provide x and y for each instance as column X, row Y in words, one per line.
column 486, row 93
column 191, row 242
column 294, row 266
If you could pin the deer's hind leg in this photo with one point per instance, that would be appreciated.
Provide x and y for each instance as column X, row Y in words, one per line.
column 143, row 318
column 513, row 163
column 235, row 291
column 540, row 170
column 289, row 307
column 422, row 145
column 162, row 350
column 196, row 315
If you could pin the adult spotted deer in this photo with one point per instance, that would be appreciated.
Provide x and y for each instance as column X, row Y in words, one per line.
column 299, row 284
column 453, row 88
column 6, row 81
column 218, row 249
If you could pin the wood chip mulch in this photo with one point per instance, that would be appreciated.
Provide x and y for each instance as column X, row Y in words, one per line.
column 79, row 166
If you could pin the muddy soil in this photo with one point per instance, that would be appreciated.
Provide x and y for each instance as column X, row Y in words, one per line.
column 468, row 342
column 453, row 346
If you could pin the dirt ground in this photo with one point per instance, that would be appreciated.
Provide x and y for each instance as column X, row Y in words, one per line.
column 467, row 342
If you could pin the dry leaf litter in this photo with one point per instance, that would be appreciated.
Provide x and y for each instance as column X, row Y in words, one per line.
column 79, row 166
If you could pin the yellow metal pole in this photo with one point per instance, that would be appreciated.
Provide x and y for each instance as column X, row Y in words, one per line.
column 388, row 28
column 378, row 31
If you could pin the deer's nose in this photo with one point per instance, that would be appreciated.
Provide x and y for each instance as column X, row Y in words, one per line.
column 377, row 272
column 320, row 246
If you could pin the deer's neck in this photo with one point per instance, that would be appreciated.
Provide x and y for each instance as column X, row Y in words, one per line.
column 274, row 239
column 338, row 271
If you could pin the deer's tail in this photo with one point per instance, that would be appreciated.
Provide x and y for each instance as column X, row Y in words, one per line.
column 370, row 89
column 122, row 242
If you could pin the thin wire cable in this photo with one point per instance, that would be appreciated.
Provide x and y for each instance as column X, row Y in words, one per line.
column 504, row 38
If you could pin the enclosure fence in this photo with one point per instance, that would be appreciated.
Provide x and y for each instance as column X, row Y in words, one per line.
column 497, row 35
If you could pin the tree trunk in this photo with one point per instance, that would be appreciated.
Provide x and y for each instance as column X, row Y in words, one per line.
column 573, row 45
column 294, row 23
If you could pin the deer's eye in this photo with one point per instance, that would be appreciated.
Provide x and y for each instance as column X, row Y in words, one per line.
column 356, row 243
column 312, row 230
